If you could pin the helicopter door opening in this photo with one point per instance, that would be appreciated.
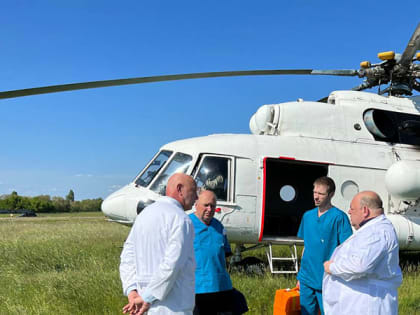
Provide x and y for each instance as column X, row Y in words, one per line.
column 288, row 194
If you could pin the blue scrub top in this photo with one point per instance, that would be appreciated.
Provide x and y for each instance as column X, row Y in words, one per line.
column 210, row 246
column 321, row 235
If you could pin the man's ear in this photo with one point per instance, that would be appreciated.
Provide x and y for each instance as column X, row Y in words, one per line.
column 366, row 211
column 179, row 187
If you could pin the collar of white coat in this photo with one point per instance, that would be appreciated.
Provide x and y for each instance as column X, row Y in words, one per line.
column 172, row 201
column 372, row 221
column 369, row 223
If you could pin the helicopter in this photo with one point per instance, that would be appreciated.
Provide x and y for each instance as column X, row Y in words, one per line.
column 263, row 181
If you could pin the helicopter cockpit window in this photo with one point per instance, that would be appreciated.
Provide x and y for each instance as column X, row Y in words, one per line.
column 179, row 164
column 213, row 175
column 154, row 168
column 394, row 127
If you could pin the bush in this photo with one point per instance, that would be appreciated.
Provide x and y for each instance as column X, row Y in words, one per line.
column 44, row 203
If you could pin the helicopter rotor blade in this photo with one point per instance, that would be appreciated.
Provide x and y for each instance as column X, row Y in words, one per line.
column 172, row 77
column 342, row 73
column 412, row 47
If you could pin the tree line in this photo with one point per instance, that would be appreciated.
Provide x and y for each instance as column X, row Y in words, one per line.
column 46, row 203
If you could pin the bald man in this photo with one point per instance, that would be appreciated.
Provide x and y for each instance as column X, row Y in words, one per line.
column 213, row 286
column 363, row 275
column 157, row 262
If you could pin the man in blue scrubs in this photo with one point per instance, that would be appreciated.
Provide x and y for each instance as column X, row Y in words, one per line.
column 322, row 230
column 213, row 286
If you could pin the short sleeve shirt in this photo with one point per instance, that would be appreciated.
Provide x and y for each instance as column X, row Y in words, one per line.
column 210, row 246
column 321, row 235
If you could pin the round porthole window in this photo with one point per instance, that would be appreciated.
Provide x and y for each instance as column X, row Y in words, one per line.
column 349, row 189
column 287, row 193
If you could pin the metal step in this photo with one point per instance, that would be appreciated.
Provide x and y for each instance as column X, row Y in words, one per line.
column 291, row 261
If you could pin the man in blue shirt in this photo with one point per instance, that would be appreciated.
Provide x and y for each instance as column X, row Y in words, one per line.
column 213, row 286
column 322, row 230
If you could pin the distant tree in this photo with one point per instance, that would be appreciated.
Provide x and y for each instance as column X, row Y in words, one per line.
column 60, row 204
column 70, row 196
column 86, row 205
column 13, row 201
column 44, row 197
column 44, row 203
column 41, row 204
column 25, row 203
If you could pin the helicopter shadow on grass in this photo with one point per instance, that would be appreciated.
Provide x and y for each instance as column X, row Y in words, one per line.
column 250, row 266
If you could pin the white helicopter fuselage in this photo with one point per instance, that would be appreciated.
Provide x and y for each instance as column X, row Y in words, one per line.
column 268, row 175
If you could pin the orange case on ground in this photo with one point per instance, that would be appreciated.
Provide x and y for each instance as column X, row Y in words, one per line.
column 287, row 302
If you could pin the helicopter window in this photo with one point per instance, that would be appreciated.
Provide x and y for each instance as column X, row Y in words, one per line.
column 213, row 175
column 179, row 164
column 349, row 189
column 154, row 168
column 287, row 193
column 393, row 127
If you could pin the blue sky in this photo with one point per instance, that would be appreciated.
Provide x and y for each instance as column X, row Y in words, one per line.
column 94, row 141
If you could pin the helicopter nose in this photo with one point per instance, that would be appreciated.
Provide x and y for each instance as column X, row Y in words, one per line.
column 113, row 206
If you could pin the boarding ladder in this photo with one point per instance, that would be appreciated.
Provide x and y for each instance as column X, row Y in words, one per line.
column 282, row 263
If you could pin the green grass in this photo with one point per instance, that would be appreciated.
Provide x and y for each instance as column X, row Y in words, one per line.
column 68, row 264
column 57, row 265
column 59, row 214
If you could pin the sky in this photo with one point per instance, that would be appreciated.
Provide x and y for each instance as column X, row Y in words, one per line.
column 95, row 141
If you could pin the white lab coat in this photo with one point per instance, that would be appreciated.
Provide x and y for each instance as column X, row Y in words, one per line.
column 365, row 273
column 158, row 258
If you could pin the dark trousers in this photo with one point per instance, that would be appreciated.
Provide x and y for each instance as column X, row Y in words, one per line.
column 216, row 303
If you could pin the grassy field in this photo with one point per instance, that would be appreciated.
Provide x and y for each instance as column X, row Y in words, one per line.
column 68, row 264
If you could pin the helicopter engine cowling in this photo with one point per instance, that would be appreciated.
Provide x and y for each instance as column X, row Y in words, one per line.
column 402, row 180
column 265, row 120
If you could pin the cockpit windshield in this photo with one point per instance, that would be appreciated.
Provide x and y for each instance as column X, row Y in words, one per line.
column 154, row 167
column 179, row 164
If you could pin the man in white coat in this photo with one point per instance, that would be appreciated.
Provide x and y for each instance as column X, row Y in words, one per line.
column 363, row 275
column 157, row 262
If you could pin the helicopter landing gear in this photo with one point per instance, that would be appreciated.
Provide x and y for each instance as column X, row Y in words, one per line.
column 251, row 265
